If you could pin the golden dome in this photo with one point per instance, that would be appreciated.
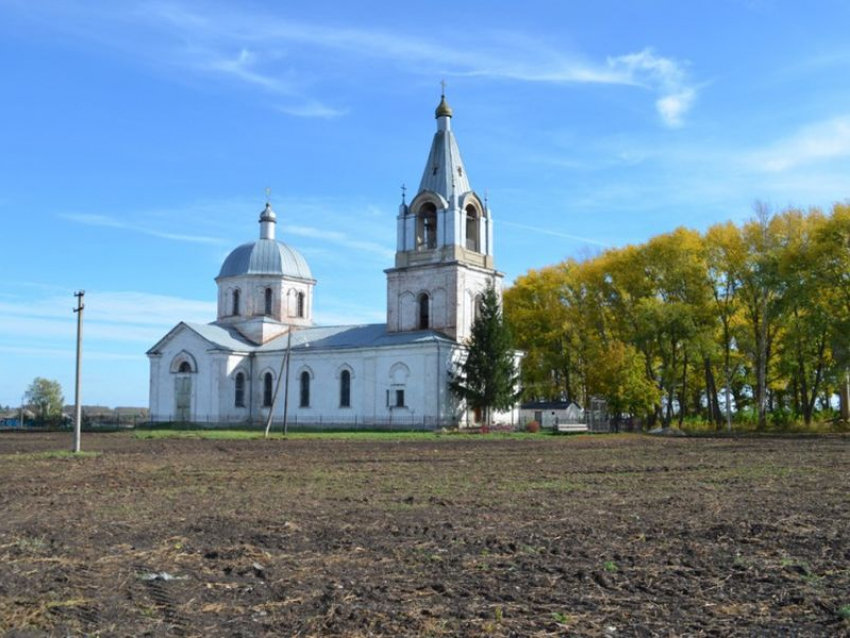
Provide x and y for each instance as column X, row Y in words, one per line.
column 443, row 110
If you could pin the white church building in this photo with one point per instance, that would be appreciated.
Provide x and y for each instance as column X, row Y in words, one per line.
column 264, row 351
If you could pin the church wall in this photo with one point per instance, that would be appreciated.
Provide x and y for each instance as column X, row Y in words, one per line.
column 163, row 399
column 489, row 234
column 420, row 370
column 450, row 287
column 252, row 299
column 223, row 387
column 155, row 389
column 472, row 282
column 403, row 290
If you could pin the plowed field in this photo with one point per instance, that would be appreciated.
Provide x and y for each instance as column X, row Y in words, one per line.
column 447, row 536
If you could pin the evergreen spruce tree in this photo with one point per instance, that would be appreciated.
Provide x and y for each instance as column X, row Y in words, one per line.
column 488, row 378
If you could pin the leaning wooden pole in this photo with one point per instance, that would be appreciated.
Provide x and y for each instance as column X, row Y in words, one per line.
column 78, row 408
column 283, row 364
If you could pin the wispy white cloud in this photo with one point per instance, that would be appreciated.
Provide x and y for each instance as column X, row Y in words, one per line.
column 243, row 67
column 672, row 108
column 104, row 221
column 274, row 54
column 341, row 239
column 665, row 76
column 556, row 233
column 353, row 231
column 313, row 109
column 817, row 142
column 41, row 331
column 119, row 308
column 70, row 353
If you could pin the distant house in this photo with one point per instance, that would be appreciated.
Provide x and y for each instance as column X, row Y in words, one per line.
column 551, row 413
column 12, row 418
column 101, row 415
column 131, row 416
column 97, row 414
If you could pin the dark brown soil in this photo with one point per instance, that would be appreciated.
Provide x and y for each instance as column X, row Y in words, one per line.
column 450, row 536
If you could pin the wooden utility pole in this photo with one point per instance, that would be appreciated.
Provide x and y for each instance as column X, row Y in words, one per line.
column 284, row 364
column 78, row 408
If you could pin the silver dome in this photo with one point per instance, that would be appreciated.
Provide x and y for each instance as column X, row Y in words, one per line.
column 265, row 257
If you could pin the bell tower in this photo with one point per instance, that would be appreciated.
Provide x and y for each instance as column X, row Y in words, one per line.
column 444, row 251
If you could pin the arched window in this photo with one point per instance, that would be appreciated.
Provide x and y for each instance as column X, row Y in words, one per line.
column 239, row 394
column 269, row 298
column 345, row 389
column 299, row 304
column 183, row 362
column 305, row 390
column 268, row 389
column 426, row 227
column 235, row 302
column 424, row 311
column 472, row 229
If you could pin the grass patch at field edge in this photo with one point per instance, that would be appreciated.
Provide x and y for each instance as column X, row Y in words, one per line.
column 357, row 436
column 53, row 454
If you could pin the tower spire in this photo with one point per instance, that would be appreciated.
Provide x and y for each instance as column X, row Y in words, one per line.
column 444, row 173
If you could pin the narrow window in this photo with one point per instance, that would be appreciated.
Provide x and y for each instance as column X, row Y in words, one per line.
column 239, row 395
column 345, row 389
column 472, row 229
column 235, row 302
column 305, row 390
column 185, row 367
column 399, row 398
column 267, row 390
column 269, row 298
column 299, row 305
column 426, row 227
column 424, row 312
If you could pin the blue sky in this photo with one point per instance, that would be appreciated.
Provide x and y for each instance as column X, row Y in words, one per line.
column 137, row 140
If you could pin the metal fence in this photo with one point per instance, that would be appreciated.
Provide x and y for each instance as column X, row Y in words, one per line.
column 596, row 416
column 316, row 424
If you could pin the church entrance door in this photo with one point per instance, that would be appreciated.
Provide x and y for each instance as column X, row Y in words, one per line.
column 182, row 399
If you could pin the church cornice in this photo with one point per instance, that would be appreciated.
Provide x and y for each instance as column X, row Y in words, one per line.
column 446, row 264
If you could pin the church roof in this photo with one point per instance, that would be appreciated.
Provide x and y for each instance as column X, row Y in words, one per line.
column 444, row 173
column 443, row 109
column 372, row 335
column 265, row 257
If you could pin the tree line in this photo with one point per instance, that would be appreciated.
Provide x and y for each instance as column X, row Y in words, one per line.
column 755, row 317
